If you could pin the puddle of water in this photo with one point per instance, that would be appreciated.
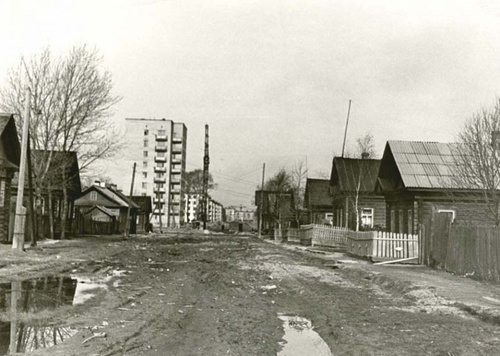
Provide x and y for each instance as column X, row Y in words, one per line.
column 301, row 339
column 22, row 328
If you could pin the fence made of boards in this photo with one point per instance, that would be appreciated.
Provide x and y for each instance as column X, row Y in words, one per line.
column 466, row 250
column 384, row 245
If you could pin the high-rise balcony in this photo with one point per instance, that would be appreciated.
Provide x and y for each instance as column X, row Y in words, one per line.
column 162, row 137
column 159, row 190
column 161, row 169
column 161, row 148
column 177, row 148
column 177, row 139
column 160, row 159
column 160, row 180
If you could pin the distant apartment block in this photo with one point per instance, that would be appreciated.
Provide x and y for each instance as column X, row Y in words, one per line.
column 215, row 210
column 158, row 146
column 239, row 214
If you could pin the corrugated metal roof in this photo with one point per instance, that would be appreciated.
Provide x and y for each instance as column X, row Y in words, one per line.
column 352, row 171
column 424, row 164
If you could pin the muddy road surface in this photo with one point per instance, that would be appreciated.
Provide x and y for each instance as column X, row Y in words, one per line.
column 187, row 293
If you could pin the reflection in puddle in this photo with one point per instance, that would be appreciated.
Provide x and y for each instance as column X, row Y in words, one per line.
column 301, row 339
column 22, row 326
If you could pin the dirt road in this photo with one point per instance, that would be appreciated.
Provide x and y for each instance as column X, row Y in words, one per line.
column 194, row 294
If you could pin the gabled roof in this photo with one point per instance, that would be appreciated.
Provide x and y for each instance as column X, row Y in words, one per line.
column 116, row 198
column 318, row 192
column 10, row 139
column 59, row 159
column 347, row 173
column 422, row 165
column 105, row 210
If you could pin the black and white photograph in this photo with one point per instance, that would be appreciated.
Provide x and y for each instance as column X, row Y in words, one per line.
column 250, row 177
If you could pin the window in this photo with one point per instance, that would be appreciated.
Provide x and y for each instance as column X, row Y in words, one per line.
column 161, row 132
column 449, row 212
column 145, row 153
column 146, row 142
column 93, row 196
column 160, row 154
column 367, row 217
column 146, row 132
column 144, row 174
column 144, row 185
column 145, row 164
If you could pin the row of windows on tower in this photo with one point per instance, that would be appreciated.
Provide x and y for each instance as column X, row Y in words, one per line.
column 158, row 154
column 161, row 132
column 161, row 145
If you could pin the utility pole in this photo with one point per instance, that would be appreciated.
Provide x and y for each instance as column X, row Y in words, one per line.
column 261, row 202
column 127, row 224
column 346, row 124
column 206, row 162
column 18, row 239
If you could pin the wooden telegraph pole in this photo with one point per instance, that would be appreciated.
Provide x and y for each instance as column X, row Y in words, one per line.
column 18, row 239
column 261, row 202
column 127, row 224
column 206, row 162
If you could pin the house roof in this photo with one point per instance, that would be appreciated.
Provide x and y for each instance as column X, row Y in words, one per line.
column 347, row 173
column 105, row 210
column 59, row 159
column 317, row 192
column 116, row 198
column 420, row 165
column 9, row 137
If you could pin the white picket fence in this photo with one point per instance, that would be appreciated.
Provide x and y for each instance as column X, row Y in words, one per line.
column 379, row 244
column 386, row 245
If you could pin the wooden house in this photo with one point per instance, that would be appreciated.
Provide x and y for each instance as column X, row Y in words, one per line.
column 51, row 194
column 10, row 154
column 317, row 201
column 103, row 209
column 356, row 204
column 417, row 180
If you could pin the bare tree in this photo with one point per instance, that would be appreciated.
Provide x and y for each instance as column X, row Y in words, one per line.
column 299, row 177
column 278, row 194
column 71, row 103
column 359, row 168
column 477, row 161
column 194, row 181
column 365, row 146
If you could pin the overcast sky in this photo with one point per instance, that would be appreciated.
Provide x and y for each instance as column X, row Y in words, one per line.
column 273, row 78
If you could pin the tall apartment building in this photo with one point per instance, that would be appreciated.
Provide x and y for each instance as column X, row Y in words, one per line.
column 158, row 146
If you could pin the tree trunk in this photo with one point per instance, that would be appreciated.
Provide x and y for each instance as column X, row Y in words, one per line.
column 39, row 213
column 64, row 213
column 51, row 214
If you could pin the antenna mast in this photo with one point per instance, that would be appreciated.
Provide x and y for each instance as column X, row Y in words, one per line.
column 346, row 124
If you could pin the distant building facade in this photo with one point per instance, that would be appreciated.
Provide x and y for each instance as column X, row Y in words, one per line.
column 158, row 146
column 240, row 213
column 215, row 210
